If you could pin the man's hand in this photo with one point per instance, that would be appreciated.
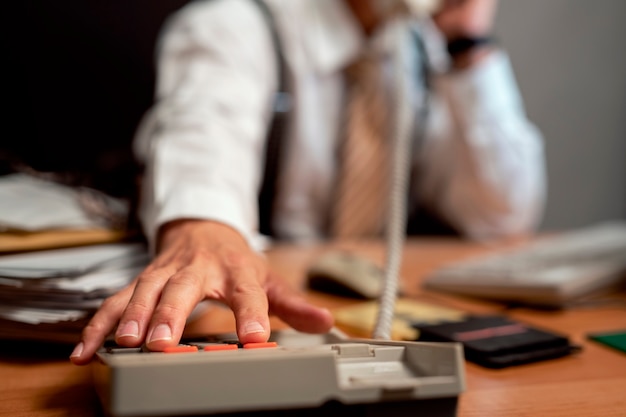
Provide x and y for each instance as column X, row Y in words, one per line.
column 461, row 18
column 198, row 260
column 467, row 18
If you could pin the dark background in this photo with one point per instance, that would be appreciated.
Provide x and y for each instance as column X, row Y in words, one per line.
column 77, row 76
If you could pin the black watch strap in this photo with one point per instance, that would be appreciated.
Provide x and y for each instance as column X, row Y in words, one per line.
column 465, row 44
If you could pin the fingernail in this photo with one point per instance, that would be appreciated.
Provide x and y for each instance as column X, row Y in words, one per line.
column 78, row 350
column 253, row 327
column 128, row 329
column 161, row 332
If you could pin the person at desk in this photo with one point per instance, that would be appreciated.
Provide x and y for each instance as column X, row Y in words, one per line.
column 480, row 163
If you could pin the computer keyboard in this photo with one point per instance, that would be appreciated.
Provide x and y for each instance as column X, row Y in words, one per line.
column 294, row 374
column 552, row 271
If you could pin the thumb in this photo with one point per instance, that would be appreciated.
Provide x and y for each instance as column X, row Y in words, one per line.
column 294, row 310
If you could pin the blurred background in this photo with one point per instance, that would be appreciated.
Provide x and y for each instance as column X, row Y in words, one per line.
column 78, row 74
column 570, row 61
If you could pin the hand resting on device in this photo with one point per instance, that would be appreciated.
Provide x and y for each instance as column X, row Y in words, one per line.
column 198, row 260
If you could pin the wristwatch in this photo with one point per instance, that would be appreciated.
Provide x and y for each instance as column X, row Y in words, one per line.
column 460, row 46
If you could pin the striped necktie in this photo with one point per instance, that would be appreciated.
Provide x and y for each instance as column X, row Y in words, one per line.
column 361, row 197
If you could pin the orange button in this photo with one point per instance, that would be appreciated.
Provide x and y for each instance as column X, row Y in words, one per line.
column 212, row 348
column 180, row 349
column 260, row 345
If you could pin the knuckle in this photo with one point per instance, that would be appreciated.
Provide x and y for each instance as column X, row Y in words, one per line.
column 245, row 289
column 93, row 328
column 238, row 261
column 149, row 278
column 203, row 256
column 184, row 285
column 137, row 306
column 185, row 278
column 165, row 311
column 109, row 303
column 245, row 266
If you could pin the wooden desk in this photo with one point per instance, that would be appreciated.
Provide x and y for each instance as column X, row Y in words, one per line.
column 40, row 381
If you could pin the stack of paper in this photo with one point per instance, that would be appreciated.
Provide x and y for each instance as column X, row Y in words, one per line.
column 51, row 294
column 40, row 214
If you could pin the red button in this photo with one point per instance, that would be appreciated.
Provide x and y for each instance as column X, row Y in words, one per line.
column 180, row 349
column 260, row 345
column 212, row 348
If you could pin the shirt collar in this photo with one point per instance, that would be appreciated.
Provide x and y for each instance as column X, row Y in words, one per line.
column 333, row 38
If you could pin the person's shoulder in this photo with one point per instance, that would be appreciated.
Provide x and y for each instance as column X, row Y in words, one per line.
column 216, row 13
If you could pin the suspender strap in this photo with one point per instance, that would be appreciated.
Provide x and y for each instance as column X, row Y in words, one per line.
column 276, row 134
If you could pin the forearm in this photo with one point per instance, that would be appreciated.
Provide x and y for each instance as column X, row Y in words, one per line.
column 187, row 180
column 484, row 163
column 202, row 143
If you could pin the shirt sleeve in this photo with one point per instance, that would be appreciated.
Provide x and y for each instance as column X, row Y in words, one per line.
column 202, row 142
column 482, row 161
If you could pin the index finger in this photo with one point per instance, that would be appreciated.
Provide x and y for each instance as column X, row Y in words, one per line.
column 100, row 326
column 248, row 300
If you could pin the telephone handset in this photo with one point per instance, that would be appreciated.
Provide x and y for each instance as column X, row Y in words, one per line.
column 422, row 7
column 416, row 8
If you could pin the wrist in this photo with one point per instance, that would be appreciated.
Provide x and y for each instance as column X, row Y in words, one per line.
column 467, row 51
column 197, row 232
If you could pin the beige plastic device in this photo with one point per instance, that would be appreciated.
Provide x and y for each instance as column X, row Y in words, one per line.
column 304, row 375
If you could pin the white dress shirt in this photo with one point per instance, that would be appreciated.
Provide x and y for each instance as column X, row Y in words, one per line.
column 481, row 165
